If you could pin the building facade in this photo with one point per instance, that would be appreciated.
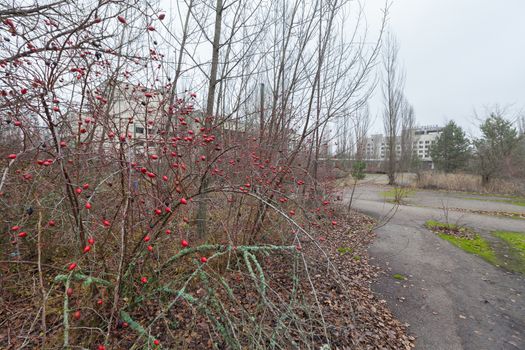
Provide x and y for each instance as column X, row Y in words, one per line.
column 418, row 143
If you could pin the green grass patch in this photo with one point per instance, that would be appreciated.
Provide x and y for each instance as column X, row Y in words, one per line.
column 436, row 225
column 450, row 229
column 508, row 251
column 515, row 242
column 507, row 196
column 477, row 246
column 520, row 202
column 514, row 201
column 344, row 250
column 515, row 239
column 397, row 195
column 473, row 243
column 399, row 277
column 392, row 193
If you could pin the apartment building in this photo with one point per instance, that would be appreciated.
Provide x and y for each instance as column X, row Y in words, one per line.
column 135, row 113
column 422, row 139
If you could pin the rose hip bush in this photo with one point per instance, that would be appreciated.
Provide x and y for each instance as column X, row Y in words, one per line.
column 107, row 174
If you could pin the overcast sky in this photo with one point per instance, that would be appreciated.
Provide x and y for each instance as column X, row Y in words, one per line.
column 459, row 55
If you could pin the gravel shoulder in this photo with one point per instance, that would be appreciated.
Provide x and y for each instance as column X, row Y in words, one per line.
column 450, row 299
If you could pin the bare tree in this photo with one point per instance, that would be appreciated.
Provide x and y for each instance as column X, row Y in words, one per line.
column 361, row 127
column 407, row 135
column 344, row 137
column 393, row 84
column 212, row 85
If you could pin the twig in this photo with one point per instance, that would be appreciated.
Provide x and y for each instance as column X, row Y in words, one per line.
column 66, row 312
column 41, row 277
column 4, row 175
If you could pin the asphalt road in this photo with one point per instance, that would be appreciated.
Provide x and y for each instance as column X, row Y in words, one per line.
column 451, row 299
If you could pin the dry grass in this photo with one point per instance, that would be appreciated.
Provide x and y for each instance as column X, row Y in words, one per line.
column 469, row 183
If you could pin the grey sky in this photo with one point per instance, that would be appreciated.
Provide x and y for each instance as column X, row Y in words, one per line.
column 459, row 55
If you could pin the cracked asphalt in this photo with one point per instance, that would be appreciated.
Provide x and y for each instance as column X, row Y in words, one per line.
column 450, row 299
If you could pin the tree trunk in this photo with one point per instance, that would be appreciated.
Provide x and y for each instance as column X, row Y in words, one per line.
column 485, row 179
column 202, row 213
column 352, row 195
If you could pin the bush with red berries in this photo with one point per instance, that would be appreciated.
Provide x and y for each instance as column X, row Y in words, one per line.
column 129, row 214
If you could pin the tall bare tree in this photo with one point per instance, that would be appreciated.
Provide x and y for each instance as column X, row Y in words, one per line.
column 361, row 127
column 393, row 84
column 212, row 86
column 407, row 135
column 344, row 137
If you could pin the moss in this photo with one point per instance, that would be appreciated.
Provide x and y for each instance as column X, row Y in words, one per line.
column 399, row 277
column 477, row 246
column 357, row 257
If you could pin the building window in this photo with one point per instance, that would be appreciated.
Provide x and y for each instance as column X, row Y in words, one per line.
column 139, row 130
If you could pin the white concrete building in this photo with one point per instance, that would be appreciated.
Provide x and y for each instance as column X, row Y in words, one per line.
column 134, row 112
column 422, row 140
